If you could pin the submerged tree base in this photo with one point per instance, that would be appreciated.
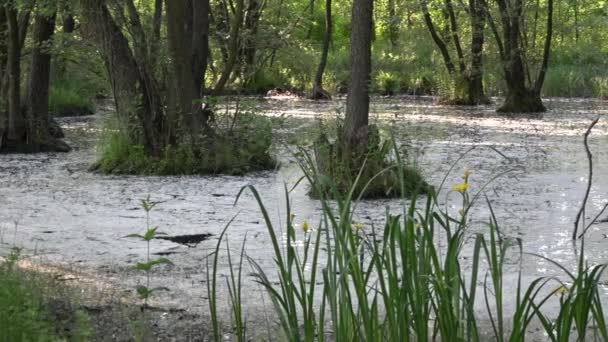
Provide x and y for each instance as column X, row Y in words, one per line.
column 371, row 174
column 523, row 102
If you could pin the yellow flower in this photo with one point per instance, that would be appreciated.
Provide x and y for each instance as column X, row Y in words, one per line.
column 305, row 227
column 461, row 212
column 359, row 226
column 462, row 188
column 560, row 291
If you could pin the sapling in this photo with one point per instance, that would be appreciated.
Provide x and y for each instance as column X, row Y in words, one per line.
column 146, row 291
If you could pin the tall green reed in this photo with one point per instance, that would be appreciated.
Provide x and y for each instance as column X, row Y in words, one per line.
column 406, row 282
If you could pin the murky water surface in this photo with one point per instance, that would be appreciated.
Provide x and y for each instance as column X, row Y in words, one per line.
column 60, row 212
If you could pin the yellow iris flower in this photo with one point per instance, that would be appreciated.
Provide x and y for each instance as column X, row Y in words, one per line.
column 462, row 188
column 305, row 227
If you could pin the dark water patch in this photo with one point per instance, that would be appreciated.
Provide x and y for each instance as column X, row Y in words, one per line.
column 187, row 240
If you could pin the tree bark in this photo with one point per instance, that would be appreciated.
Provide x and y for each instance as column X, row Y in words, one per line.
column 476, row 94
column 180, row 32
column 135, row 102
column 38, row 129
column 16, row 123
column 3, row 64
column 357, row 104
column 318, row 92
column 249, row 48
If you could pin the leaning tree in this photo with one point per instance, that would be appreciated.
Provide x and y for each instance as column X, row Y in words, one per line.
column 466, row 72
column 509, row 20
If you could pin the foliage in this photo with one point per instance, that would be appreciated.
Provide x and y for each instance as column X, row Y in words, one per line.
column 240, row 142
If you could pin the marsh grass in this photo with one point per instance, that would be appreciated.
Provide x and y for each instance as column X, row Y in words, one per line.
column 36, row 307
column 66, row 99
column 375, row 173
column 407, row 281
column 241, row 143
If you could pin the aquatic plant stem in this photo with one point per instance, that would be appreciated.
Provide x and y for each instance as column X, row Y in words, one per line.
column 589, row 180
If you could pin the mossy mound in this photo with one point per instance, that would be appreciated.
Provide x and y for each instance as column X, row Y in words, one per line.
column 373, row 173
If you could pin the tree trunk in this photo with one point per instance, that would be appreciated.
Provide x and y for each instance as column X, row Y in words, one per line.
column 393, row 23
column 38, row 129
column 357, row 104
column 200, row 46
column 476, row 94
column 180, row 38
column 249, row 48
column 521, row 97
column 16, row 123
column 3, row 56
column 135, row 102
column 233, row 46
column 318, row 92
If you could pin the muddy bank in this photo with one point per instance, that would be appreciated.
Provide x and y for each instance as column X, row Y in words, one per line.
column 65, row 215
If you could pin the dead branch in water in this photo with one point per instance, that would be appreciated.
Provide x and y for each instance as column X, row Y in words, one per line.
column 589, row 181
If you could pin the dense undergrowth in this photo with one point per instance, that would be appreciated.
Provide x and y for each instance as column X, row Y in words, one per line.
column 342, row 280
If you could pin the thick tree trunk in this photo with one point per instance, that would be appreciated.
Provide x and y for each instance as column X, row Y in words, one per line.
column 16, row 123
column 3, row 74
column 200, row 46
column 134, row 100
column 475, row 93
column 38, row 128
column 188, row 86
column 521, row 97
column 357, row 104
column 318, row 92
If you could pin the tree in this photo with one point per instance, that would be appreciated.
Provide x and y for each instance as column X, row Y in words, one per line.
column 468, row 79
column 357, row 104
column 25, row 126
column 523, row 92
column 233, row 45
column 151, row 117
column 317, row 90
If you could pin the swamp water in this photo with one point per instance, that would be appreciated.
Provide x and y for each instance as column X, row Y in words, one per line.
column 63, row 215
